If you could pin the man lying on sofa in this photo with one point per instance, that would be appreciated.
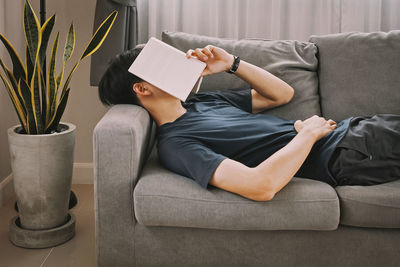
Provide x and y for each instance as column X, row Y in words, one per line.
column 220, row 138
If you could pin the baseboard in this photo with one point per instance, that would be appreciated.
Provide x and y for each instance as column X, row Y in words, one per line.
column 83, row 173
column 6, row 190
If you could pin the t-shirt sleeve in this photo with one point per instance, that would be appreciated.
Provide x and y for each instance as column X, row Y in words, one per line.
column 238, row 97
column 189, row 158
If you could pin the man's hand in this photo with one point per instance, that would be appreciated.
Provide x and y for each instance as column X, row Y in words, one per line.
column 217, row 59
column 316, row 126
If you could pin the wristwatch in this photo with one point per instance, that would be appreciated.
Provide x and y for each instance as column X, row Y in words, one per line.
column 235, row 65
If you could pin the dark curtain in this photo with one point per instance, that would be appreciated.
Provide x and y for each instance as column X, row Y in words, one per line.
column 122, row 36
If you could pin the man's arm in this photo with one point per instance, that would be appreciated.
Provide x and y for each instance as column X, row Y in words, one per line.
column 268, row 90
column 261, row 183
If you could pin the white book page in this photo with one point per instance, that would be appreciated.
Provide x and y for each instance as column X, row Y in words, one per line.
column 168, row 69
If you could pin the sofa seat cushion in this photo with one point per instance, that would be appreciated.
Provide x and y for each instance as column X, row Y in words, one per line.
column 162, row 198
column 370, row 206
column 293, row 61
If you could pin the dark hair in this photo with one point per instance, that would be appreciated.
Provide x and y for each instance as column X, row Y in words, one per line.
column 115, row 86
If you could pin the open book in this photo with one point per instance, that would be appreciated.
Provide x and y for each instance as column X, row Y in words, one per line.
column 168, row 69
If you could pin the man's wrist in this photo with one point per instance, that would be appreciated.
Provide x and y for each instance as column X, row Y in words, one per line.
column 229, row 62
column 309, row 133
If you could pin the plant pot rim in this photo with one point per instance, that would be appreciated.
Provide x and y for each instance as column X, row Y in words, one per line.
column 71, row 128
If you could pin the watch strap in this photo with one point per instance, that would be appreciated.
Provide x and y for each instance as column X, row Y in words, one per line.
column 235, row 65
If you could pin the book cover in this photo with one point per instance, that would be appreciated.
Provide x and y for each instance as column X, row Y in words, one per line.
column 168, row 68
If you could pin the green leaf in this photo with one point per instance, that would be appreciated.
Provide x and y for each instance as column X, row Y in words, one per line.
column 29, row 65
column 66, row 84
column 43, row 90
column 69, row 44
column 46, row 31
column 33, row 37
column 58, row 85
column 59, row 78
column 59, row 112
column 17, row 104
column 25, row 92
column 32, row 32
column 100, row 35
column 11, row 78
column 52, row 80
column 18, row 67
column 35, row 98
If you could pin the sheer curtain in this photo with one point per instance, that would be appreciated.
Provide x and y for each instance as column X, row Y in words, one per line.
column 270, row 19
column 370, row 15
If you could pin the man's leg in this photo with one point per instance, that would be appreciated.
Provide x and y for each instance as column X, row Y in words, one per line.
column 375, row 163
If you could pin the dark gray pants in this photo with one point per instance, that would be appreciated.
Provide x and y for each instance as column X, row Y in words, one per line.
column 369, row 153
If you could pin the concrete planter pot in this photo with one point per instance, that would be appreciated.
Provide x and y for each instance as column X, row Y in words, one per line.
column 42, row 172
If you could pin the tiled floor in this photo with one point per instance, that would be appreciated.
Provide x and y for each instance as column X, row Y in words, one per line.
column 79, row 251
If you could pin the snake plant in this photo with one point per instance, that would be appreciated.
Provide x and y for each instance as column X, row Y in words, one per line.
column 39, row 98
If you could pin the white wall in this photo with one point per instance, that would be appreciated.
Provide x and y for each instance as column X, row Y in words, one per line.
column 10, row 17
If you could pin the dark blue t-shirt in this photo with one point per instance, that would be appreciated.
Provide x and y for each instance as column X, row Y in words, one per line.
column 220, row 125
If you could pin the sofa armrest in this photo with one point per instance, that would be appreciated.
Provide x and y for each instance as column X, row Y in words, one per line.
column 121, row 143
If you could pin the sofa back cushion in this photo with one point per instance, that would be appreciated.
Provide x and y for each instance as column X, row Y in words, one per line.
column 293, row 61
column 359, row 73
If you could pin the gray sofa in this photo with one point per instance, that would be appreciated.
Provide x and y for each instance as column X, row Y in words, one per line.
column 149, row 216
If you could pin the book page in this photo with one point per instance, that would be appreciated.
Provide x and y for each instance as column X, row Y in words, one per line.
column 168, row 69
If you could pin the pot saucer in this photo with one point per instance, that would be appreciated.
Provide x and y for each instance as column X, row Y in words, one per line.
column 41, row 238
